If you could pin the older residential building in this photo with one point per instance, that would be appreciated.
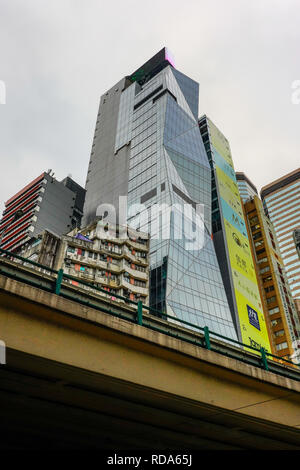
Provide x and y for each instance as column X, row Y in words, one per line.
column 118, row 265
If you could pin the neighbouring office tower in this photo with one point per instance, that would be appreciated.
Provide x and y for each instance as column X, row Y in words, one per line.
column 100, row 257
column 147, row 147
column 231, row 240
column 280, row 311
column 246, row 187
column 281, row 200
column 45, row 203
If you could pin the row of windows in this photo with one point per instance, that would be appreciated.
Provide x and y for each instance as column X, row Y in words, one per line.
column 282, row 215
column 292, row 266
column 103, row 273
column 288, row 252
column 271, row 299
column 288, row 228
column 286, row 237
column 291, row 218
column 141, row 126
column 273, row 198
column 274, row 310
column 279, row 209
column 265, row 270
column 269, row 289
column 276, row 322
column 257, row 235
column 286, row 246
column 290, row 269
column 289, row 258
column 281, row 346
column 116, row 249
column 262, row 260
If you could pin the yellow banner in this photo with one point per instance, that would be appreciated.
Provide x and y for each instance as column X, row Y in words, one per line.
column 252, row 322
column 220, row 143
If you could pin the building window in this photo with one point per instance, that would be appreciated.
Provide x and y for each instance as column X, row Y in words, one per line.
column 262, row 260
column 276, row 322
column 279, row 333
column 264, row 270
column 255, row 227
column 281, row 346
column 257, row 235
column 253, row 220
column 273, row 310
column 269, row 289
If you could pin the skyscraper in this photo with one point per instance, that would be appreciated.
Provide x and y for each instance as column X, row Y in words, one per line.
column 246, row 187
column 44, row 203
column 280, row 311
column 231, row 240
column 281, row 200
column 147, row 147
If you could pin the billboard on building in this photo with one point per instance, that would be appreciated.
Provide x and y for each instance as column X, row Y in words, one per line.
column 247, row 298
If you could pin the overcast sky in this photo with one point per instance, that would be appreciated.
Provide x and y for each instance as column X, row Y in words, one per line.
column 58, row 56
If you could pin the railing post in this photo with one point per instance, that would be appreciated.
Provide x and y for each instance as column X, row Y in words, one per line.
column 140, row 313
column 58, row 281
column 206, row 336
column 264, row 358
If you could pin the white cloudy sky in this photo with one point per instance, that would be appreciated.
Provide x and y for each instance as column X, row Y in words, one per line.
column 58, row 56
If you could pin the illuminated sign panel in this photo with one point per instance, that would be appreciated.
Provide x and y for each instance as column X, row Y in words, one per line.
column 246, row 293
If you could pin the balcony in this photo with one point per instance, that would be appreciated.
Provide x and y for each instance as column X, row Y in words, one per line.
column 134, row 289
column 143, row 276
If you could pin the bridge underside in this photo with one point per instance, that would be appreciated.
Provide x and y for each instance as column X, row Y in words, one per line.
column 78, row 378
column 45, row 404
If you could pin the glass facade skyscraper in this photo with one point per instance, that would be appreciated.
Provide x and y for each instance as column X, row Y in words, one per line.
column 148, row 147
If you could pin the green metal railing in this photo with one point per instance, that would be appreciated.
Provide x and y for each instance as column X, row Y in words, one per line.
column 207, row 341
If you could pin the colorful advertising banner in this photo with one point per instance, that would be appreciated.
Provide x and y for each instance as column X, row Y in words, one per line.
column 246, row 292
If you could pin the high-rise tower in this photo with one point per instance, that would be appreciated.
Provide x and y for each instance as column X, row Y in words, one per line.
column 44, row 203
column 148, row 147
column 281, row 200
column 280, row 311
column 231, row 240
column 246, row 187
